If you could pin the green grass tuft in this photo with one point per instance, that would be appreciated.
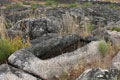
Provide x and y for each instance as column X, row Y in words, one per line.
column 9, row 46
column 73, row 5
column 53, row 4
column 5, row 50
column 103, row 47
column 86, row 4
column 48, row 3
column 115, row 29
column 13, row 6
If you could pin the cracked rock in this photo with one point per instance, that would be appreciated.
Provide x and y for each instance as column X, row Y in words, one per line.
column 50, row 68
column 99, row 74
column 10, row 73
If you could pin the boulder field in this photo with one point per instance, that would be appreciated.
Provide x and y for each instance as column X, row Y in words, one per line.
column 50, row 53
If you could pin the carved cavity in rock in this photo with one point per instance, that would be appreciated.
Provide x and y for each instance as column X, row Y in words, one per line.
column 57, row 46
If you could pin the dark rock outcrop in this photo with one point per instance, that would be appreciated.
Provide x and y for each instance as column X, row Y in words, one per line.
column 100, row 74
column 10, row 73
column 35, row 28
column 108, row 35
column 43, row 38
column 98, row 16
column 116, row 61
column 50, row 68
column 50, row 53
column 56, row 46
column 59, row 45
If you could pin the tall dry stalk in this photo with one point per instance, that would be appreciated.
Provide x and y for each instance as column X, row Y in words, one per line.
column 2, row 28
column 68, row 25
column 71, row 26
column 2, row 24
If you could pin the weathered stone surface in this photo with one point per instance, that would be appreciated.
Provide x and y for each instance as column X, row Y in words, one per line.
column 116, row 65
column 43, row 38
column 11, row 33
column 10, row 73
column 116, row 58
column 87, row 1
column 116, row 61
column 108, row 35
column 107, row 13
column 56, row 46
column 113, row 25
column 98, row 16
column 36, row 27
column 113, row 36
column 49, row 54
column 48, row 69
column 99, row 74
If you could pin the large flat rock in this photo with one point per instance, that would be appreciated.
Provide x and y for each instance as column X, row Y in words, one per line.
column 10, row 73
column 50, row 68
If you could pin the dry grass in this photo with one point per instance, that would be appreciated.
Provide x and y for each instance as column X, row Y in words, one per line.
column 70, row 26
column 102, row 62
column 9, row 45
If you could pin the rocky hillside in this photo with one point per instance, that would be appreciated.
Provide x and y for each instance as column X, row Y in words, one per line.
column 56, row 41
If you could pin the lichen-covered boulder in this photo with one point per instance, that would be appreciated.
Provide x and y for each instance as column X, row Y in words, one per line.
column 52, row 67
column 116, row 58
column 10, row 73
column 43, row 38
column 114, row 26
column 116, row 61
column 99, row 74
column 56, row 46
column 108, row 35
column 35, row 27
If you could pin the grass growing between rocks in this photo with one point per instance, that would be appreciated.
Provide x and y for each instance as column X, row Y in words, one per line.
column 114, row 7
column 86, row 4
column 84, row 64
column 25, row 2
column 17, row 6
column 53, row 3
column 70, row 26
column 34, row 5
column 103, row 47
column 9, row 45
column 72, row 5
column 115, row 29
